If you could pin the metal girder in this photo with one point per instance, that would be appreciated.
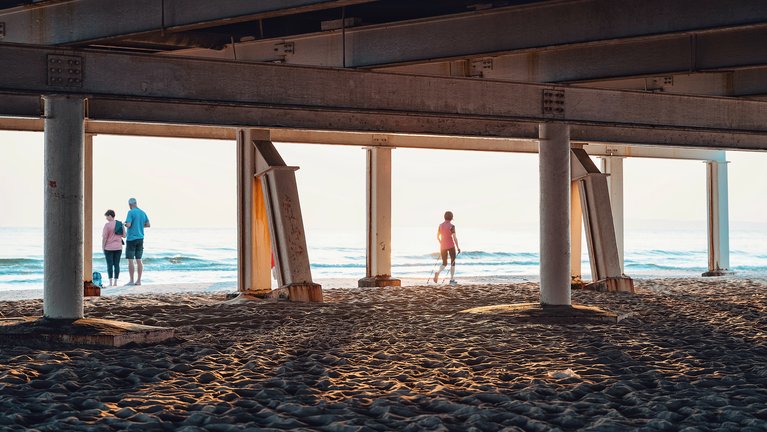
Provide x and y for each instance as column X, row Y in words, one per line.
column 361, row 139
column 133, row 87
column 14, row 105
column 354, row 120
column 655, row 32
column 729, row 49
column 91, row 20
column 731, row 83
column 596, row 149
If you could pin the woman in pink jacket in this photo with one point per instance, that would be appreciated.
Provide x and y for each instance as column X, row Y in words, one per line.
column 112, row 243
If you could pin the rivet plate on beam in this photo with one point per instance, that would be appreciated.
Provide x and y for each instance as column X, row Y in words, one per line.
column 285, row 48
column 478, row 67
column 553, row 103
column 380, row 140
column 65, row 70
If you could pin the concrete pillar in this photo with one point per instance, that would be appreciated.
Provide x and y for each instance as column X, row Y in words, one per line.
column 606, row 271
column 286, row 225
column 88, row 212
column 576, row 232
column 89, row 289
column 63, row 232
column 253, row 239
column 378, row 269
column 613, row 166
column 554, row 160
column 718, row 219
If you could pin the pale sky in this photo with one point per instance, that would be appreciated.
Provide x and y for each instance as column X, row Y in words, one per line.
column 192, row 183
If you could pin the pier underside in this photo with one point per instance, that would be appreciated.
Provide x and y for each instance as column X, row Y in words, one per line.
column 605, row 79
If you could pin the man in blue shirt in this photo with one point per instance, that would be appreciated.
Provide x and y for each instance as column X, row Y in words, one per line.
column 135, row 222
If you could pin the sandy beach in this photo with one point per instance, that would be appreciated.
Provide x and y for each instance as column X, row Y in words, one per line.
column 690, row 354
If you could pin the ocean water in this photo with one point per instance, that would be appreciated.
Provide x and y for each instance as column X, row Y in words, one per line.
column 210, row 255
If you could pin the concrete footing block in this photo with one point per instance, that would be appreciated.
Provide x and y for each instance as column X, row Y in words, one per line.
column 84, row 331
column 378, row 281
column 576, row 282
column 535, row 313
column 245, row 297
column 717, row 272
column 298, row 292
column 612, row 284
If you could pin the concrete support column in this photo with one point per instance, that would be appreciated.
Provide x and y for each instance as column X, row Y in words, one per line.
column 718, row 219
column 63, row 232
column 253, row 239
column 613, row 166
column 576, row 233
column 378, row 269
column 89, row 289
column 554, row 160
column 88, row 212
column 286, row 225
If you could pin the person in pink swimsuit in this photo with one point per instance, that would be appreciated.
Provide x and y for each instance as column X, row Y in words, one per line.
column 112, row 244
column 448, row 243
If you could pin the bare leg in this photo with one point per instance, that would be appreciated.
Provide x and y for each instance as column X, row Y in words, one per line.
column 140, row 265
column 130, row 271
column 452, row 272
column 436, row 275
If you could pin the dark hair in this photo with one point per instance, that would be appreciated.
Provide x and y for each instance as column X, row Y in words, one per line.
column 448, row 215
column 110, row 212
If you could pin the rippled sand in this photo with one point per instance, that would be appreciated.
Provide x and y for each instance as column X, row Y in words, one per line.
column 691, row 355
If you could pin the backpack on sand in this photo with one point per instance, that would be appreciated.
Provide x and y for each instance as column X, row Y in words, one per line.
column 97, row 279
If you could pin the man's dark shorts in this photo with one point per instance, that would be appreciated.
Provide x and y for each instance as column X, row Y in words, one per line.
column 444, row 252
column 134, row 249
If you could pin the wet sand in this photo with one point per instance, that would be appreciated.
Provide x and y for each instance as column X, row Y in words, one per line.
column 691, row 355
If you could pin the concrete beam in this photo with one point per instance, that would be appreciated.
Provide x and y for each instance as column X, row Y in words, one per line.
column 140, row 87
column 79, row 21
